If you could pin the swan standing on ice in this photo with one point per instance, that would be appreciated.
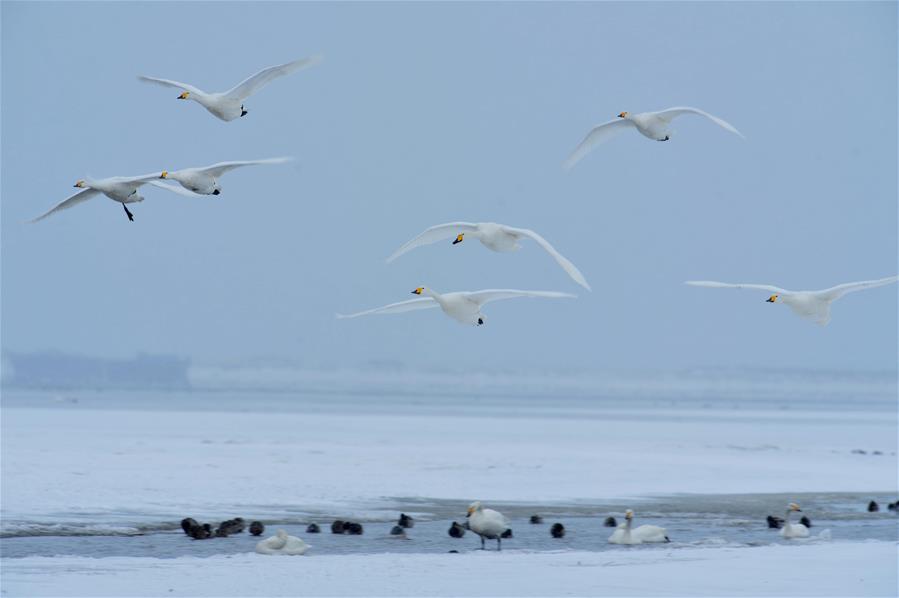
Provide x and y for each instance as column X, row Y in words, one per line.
column 643, row 534
column 793, row 530
column 204, row 180
column 462, row 306
column 814, row 305
column 228, row 105
column 281, row 543
column 497, row 237
column 650, row 124
column 486, row 523
column 123, row 189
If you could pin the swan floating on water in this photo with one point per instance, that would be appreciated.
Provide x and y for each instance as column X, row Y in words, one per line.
column 643, row 534
column 486, row 523
column 650, row 124
column 793, row 530
column 462, row 306
column 282, row 543
column 228, row 105
column 814, row 305
column 498, row 237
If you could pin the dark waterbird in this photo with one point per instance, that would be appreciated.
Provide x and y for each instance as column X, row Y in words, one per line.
column 456, row 530
column 313, row 528
column 536, row 519
column 506, row 534
column 873, row 507
column 557, row 530
column 610, row 522
column 775, row 522
column 406, row 521
column 256, row 528
column 337, row 527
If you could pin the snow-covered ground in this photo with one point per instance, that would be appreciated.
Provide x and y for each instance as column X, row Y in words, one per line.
column 834, row 569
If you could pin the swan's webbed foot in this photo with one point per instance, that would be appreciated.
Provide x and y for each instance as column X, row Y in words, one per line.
column 216, row 192
column 666, row 138
column 128, row 212
column 480, row 321
column 242, row 111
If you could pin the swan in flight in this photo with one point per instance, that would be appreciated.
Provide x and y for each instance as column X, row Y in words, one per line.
column 462, row 306
column 486, row 523
column 814, row 305
column 650, row 124
column 497, row 237
column 205, row 180
column 122, row 189
column 793, row 530
column 281, row 543
column 643, row 534
column 228, row 105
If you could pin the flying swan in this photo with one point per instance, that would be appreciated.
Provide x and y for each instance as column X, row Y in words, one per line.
column 228, row 105
column 793, row 530
column 814, row 305
column 281, row 543
column 462, row 306
column 650, row 124
column 486, row 523
column 497, row 237
column 204, row 180
column 645, row 533
column 122, row 189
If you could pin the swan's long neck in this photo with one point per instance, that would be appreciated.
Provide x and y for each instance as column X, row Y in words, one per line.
column 434, row 295
column 627, row 528
column 787, row 519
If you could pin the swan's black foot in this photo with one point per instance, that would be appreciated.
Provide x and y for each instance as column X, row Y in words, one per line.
column 480, row 321
column 242, row 111
column 666, row 138
column 216, row 192
column 128, row 212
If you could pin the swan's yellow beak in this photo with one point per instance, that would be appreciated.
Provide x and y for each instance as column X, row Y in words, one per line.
column 79, row 183
column 470, row 510
column 184, row 95
column 165, row 174
column 771, row 299
column 622, row 115
column 418, row 292
column 459, row 239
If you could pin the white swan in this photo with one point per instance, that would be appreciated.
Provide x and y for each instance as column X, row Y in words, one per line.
column 643, row 534
column 228, row 105
column 814, row 305
column 118, row 188
column 281, row 543
column 204, row 180
column 486, row 523
column 462, row 306
column 497, row 237
column 650, row 124
column 793, row 530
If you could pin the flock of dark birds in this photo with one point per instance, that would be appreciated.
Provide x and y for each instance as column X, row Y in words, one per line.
column 205, row 531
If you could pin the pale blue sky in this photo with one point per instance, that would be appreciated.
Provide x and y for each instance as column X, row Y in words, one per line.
column 426, row 113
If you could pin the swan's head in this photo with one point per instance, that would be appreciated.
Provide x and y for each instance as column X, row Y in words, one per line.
column 459, row 238
column 623, row 114
column 164, row 175
column 80, row 184
column 772, row 299
column 418, row 291
column 184, row 95
column 628, row 514
column 794, row 507
column 475, row 506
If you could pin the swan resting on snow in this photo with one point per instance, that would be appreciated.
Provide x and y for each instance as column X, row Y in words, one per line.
column 281, row 543
column 793, row 530
column 228, row 105
column 643, row 534
column 814, row 305
column 650, row 124
column 486, row 523
column 462, row 306
column 205, row 180
column 123, row 189
column 497, row 237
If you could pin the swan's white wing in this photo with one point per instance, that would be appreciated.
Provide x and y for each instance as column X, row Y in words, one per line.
column 726, row 285
column 850, row 287
column 170, row 83
column 599, row 134
column 488, row 295
column 221, row 168
column 434, row 234
column 396, row 308
column 74, row 200
column 254, row 83
column 173, row 188
column 671, row 113
column 572, row 270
